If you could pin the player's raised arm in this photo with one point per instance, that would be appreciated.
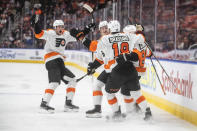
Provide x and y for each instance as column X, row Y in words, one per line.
column 36, row 24
column 90, row 44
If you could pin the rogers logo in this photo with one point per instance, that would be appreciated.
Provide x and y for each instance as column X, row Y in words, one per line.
column 184, row 85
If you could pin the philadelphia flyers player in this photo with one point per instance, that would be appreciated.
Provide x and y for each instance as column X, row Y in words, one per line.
column 141, row 49
column 101, row 80
column 56, row 41
column 115, row 51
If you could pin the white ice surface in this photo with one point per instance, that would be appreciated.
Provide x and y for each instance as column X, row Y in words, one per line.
column 21, row 90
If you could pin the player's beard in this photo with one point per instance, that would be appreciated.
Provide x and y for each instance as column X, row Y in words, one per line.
column 60, row 32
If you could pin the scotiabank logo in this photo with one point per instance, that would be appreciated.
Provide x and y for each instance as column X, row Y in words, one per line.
column 185, row 85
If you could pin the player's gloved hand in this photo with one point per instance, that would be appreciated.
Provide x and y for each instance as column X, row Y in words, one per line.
column 78, row 34
column 90, row 69
column 139, row 27
column 34, row 19
column 89, row 27
column 121, row 59
column 36, row 14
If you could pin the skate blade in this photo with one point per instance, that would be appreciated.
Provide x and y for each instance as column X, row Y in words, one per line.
column 70, row 110
column 95, row 115
column 116, row 119
column 43, row 111
column 149, row 119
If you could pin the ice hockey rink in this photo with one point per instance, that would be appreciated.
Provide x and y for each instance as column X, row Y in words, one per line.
column 21, row 89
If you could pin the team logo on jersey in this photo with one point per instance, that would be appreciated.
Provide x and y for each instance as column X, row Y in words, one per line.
column 60, row 41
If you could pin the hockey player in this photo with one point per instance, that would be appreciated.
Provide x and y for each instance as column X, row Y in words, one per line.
column 115, row 52
column 56, row 41
column 143, row 52
column 101, row 80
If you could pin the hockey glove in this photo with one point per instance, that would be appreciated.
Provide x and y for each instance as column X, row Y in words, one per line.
column 139, row 27
column 89, row 27
column 90, row 69
column 78, row 34
column 34, row 19
column 121, row 59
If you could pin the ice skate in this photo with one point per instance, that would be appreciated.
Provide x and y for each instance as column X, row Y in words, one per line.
column 148, row 114
column 94, row 113
column 69, row 107
column 137, row 108
column 116, row 116
column 44, row 108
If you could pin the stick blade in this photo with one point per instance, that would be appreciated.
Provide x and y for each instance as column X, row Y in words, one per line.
column 86, row 6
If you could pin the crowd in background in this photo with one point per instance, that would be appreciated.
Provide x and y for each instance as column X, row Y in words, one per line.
column 16, row 30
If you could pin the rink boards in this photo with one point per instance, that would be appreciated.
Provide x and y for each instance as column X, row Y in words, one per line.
column 183, row 74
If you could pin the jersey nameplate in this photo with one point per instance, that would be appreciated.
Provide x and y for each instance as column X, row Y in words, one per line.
column 118, row 39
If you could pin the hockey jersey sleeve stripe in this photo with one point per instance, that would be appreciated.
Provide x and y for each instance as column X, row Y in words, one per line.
column 128, row 100
column 39, row 35
column 100, row 61
column 107, row 66
column 112, row 101
column 70, row 89
column 140, row 69
column 50, row 91
column 97, row 93
column 93, row 45
column 140, row 99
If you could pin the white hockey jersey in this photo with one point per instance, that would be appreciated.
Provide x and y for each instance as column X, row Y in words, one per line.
column 55, row 44
column 110, row 46
column 143, row 52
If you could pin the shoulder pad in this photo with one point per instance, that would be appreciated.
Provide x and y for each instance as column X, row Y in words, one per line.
column 140, row 32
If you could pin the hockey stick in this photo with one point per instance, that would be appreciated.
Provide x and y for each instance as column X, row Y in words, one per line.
column 158, row 76
column 178, row 91
column 90, row 10
column 81, row 78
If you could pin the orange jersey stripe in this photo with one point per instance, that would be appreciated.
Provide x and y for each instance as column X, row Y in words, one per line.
column 128, row 100
column 140, row 99
column 97, row 93
column 70, row 89
column 107, row 66
column 137, row 51
column 140, row 69
column 141, row 56
column 50, row 91
column 93, row 45
column 39, row 35
column 112, row 101
column 99, row 61
column 48, row 55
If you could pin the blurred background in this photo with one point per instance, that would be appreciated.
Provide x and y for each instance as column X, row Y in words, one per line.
column 170, row 25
